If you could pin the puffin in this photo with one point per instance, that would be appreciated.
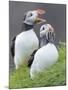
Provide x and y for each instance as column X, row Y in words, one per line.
column 44, row 39
column 47, row 55
column 25, row 43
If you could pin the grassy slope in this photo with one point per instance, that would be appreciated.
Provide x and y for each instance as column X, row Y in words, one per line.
column 51, row 77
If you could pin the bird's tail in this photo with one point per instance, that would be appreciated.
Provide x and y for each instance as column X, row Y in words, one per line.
column 13, row 46
column 30, row 61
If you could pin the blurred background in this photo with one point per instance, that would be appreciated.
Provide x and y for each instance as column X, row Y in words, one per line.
column 55, row 15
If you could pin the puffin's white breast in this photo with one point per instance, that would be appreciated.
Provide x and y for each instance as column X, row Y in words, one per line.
column 25, row 44
column 44, row 57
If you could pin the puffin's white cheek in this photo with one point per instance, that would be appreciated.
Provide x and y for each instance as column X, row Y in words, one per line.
column 42, row 33
column 33, row 19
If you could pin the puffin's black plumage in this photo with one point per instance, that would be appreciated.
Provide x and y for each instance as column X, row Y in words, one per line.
column 30, row 61
column 13, row 46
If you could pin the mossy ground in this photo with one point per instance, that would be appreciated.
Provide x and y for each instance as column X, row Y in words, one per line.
column 54, row 76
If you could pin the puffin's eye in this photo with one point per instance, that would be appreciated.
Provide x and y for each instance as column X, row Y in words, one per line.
column 43, row 28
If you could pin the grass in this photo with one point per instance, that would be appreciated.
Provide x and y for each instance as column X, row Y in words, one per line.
column 54, row 76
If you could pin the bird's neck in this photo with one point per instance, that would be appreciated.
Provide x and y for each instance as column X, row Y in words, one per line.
column 27, row 27
column 43, row 41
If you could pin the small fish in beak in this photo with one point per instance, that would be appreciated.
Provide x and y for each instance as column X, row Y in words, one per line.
column 39, row 20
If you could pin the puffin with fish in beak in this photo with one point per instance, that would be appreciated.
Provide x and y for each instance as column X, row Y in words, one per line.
column 25, row 43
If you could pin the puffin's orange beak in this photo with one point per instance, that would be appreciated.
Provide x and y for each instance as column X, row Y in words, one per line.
column 40, row 12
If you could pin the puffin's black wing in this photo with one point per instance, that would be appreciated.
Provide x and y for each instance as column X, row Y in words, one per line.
column 13, row 46
column 30, row 61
